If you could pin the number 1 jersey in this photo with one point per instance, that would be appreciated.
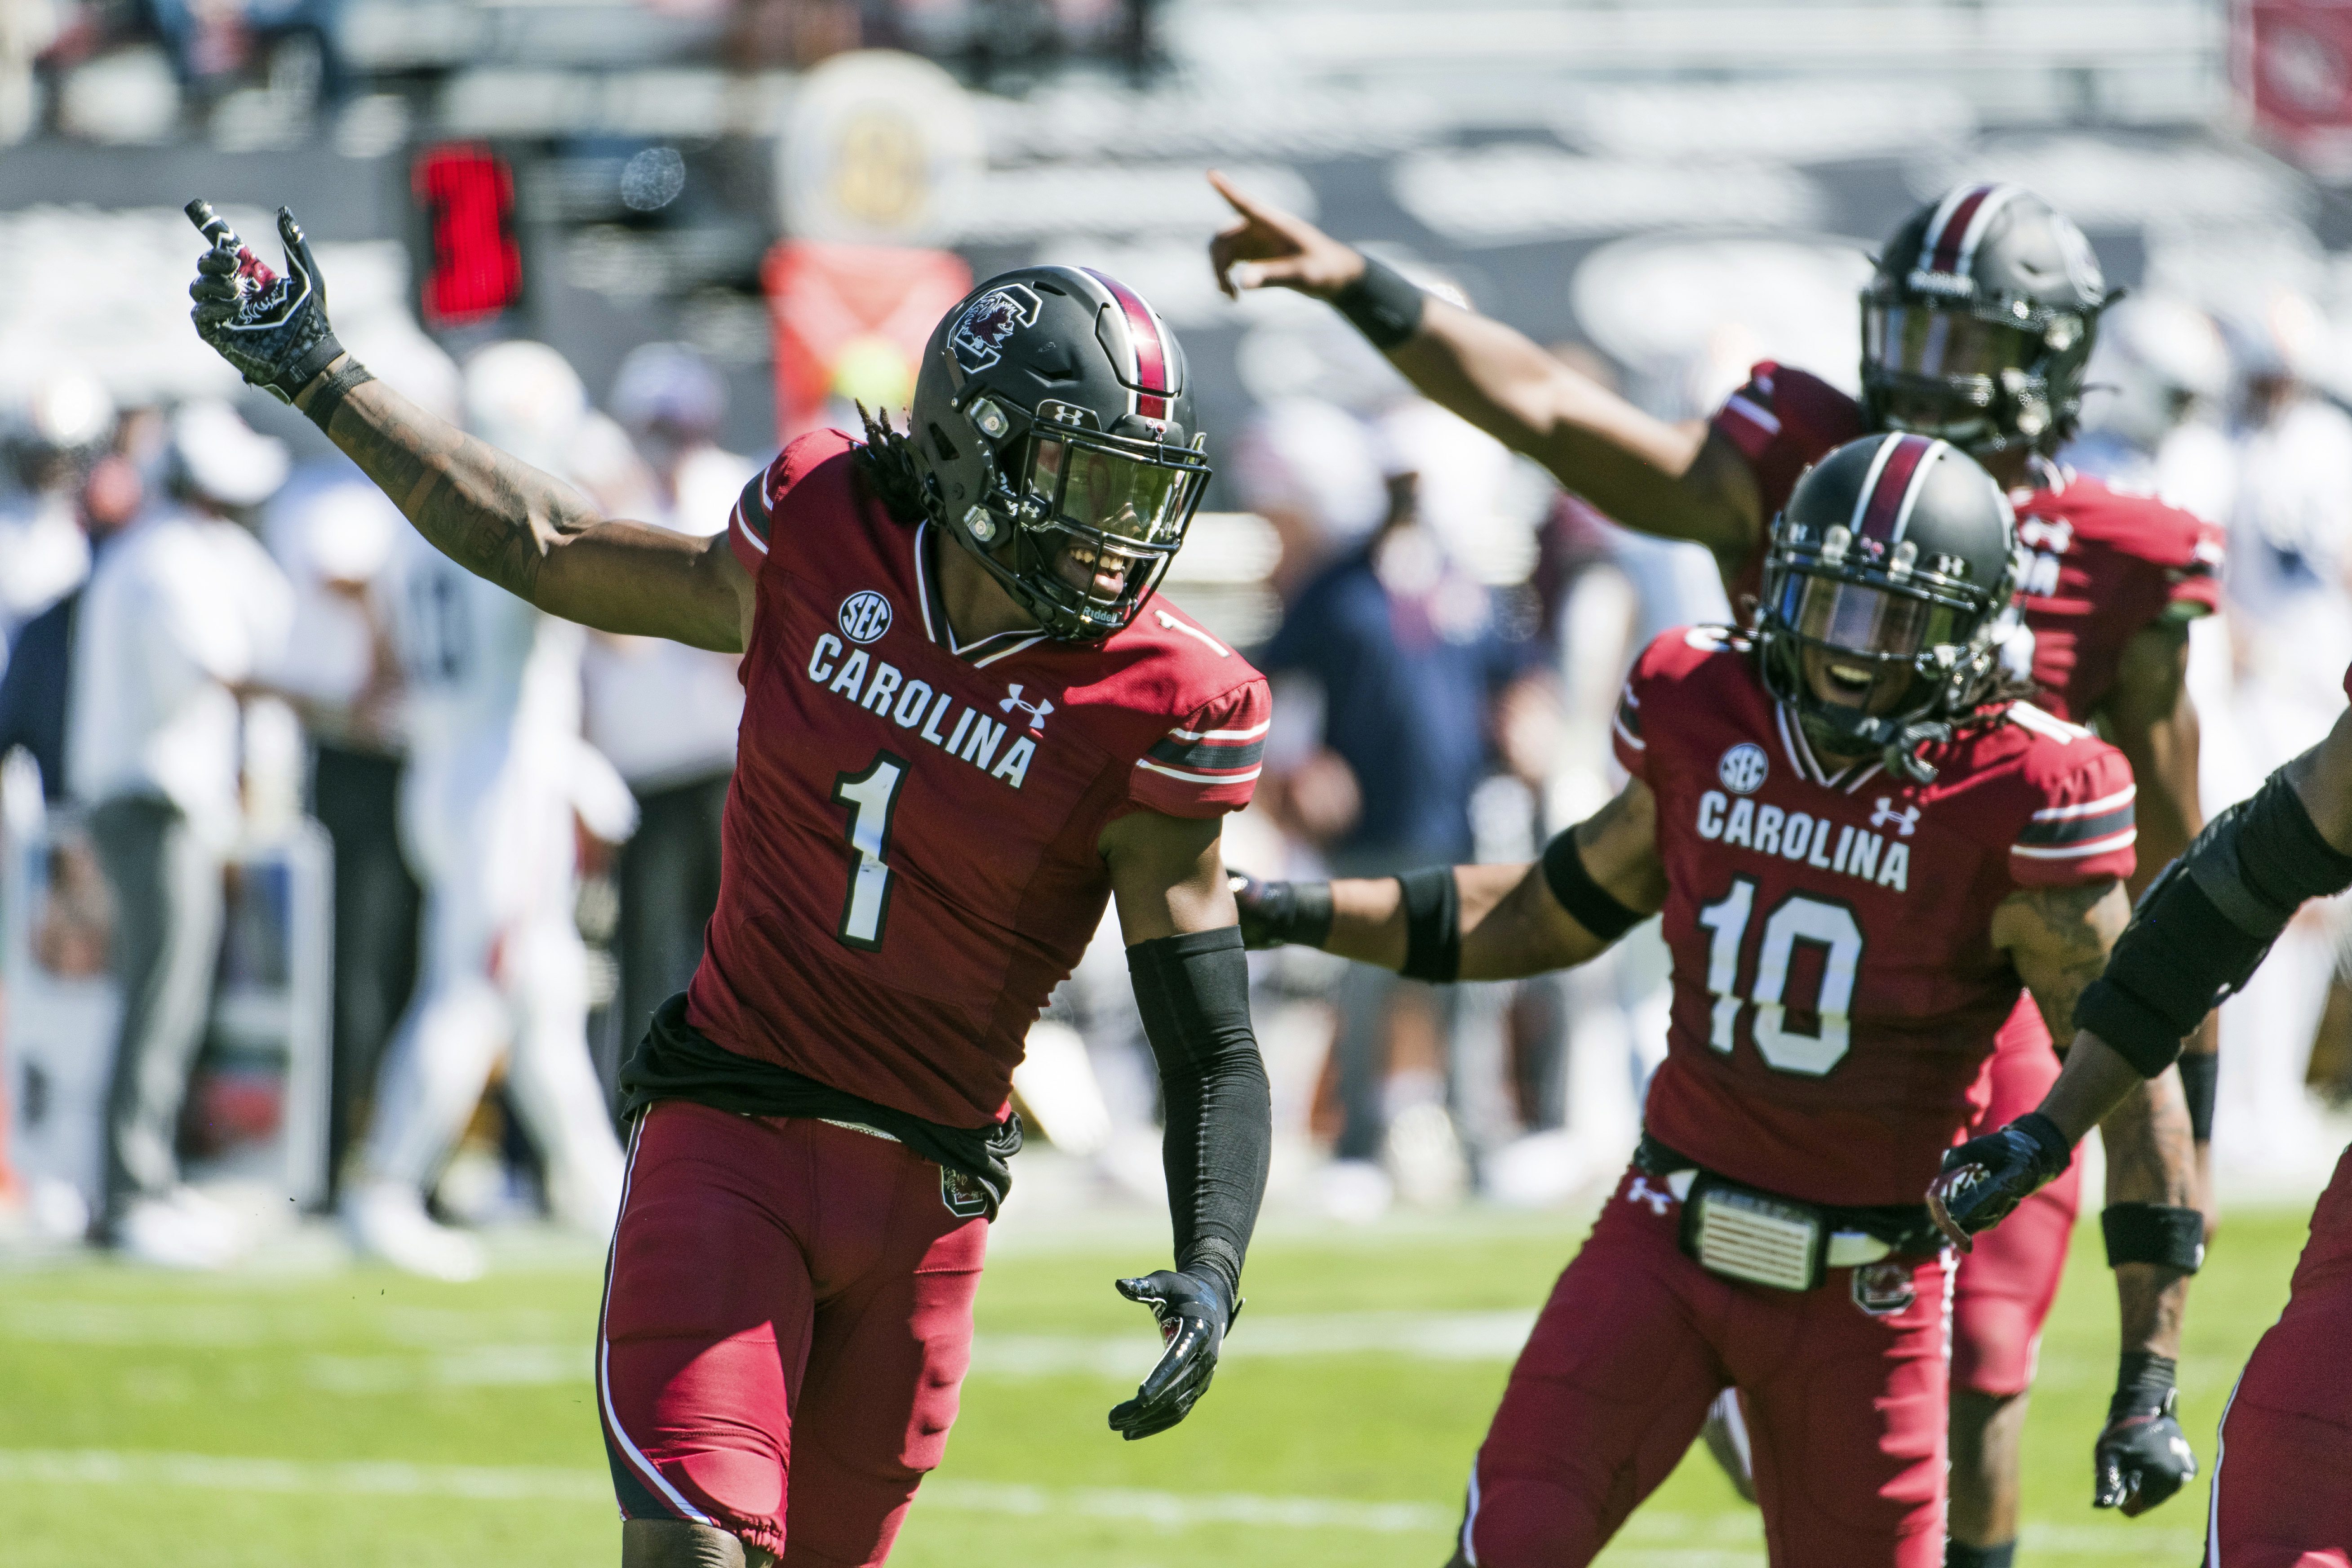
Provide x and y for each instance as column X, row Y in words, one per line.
column 909, row 843
column 1836, row 991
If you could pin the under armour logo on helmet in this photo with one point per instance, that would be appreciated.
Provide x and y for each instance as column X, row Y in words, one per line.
column 1036, row 710
column 1908, row 821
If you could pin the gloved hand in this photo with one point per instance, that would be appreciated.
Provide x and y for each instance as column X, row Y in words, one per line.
column 1985, row 1178
column 1276, row 914
column 1193, row 1319
column 273, row 329
column 2142, row 1457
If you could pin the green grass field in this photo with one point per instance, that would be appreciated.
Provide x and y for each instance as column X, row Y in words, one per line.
column 356, row 1417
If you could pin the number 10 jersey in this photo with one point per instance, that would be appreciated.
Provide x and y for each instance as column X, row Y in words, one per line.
column 1836, row 989
column 910, row 860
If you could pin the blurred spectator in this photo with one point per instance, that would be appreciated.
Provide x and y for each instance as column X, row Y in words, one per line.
column 498, row 779
column 184, row 613
column 1394, row 683
column 48, row 443
column 663, row 713
column 34, row 687
column 1309, row 468
column 2158, row 383
column 333, row 534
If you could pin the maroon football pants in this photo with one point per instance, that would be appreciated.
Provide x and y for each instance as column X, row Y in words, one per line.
column 787, row 1324
column 1845, row 1387
column 2003, row 1294
column 2281, row 1490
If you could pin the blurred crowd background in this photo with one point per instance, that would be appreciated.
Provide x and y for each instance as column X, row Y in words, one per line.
column 333, row 876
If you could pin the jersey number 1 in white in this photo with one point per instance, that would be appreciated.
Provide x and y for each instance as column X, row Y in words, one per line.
column 871, row 796
column 1799, row 918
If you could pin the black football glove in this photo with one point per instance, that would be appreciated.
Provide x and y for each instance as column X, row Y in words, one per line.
column 1276, row 914
column 1985, row 1178
column 273, row 329
column 1193, row 1319
column 2142, row 1457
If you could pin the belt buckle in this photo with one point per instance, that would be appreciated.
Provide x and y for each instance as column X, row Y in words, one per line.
column 1754, row 1238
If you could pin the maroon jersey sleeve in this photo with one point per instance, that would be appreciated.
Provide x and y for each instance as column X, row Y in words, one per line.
column 749, row 525
column 1208, row 764
column 2196, row 583
column 1782, row 421
column 2080, row 829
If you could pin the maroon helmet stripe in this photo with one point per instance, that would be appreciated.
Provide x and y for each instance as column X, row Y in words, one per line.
column 1945, row 250
column 1885, row 505
column 1150, row 356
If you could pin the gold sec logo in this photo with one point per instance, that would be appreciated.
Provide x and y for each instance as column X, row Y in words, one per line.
column 865, row 615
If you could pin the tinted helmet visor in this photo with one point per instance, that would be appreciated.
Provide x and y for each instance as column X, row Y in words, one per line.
column 1913, row 339
column 1105, row 516
column 1861, row 647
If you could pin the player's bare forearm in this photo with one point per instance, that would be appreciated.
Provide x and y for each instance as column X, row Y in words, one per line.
column 536, row 537
column 2059, row 939
column 1512, row 926
column 2151, row 1159
column 1648, row 474
column 2153, row 721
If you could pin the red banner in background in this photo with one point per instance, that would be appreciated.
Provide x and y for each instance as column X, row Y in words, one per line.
column 2292, row 62
column 851, row 321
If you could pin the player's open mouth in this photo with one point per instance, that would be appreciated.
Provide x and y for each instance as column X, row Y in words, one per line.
column 1097, row 573
column 1849, row 679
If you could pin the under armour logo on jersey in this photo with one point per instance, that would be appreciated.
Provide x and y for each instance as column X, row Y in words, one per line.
column 1036, row 710
column 1658, row 1198
column 1906, row 821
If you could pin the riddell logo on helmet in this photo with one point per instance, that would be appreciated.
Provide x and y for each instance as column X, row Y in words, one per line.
column 989, row 322
column 1958, row 284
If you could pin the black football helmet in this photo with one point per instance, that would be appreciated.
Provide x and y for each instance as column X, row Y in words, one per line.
column 1978, row 322
column 1051, row 436
column 1886, row 574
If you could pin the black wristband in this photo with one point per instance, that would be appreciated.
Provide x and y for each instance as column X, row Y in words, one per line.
column 2200, row 1072
column 2144, row 1381
column 334, row 390
column 1382, row 304
column 1432, row 925
column 1593, row 906
column 2055, row 1151
column 2154, row 1232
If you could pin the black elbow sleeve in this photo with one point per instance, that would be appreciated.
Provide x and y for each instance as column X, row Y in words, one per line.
column 2205, row 925
column 1194, row 992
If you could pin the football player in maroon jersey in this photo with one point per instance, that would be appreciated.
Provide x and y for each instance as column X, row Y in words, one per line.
column 1859, row 848
column 969, row 724
column 1975, row 328
column 2278, row 1498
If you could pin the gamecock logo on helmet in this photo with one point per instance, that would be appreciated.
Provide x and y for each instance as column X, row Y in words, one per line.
column 987, row 323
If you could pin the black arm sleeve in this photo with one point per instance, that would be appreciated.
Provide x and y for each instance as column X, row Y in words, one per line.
column 2206, row 924
column 1194, row 990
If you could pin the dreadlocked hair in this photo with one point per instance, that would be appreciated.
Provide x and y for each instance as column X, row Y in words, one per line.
column 2006, row 688
column 887, row 462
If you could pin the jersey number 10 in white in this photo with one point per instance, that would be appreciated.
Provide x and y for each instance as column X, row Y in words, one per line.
column 872, row 795
column 1799, row 918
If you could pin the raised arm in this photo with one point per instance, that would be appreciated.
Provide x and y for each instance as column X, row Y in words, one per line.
column 1481, row 923
column 1191, row 986
column 493, row 514
column 1677, row 480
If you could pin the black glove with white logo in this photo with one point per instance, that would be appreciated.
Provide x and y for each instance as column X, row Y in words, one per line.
column 1985, row 1178
column 2142, row 1457
column 1278, row 914
column 1193, row 1319
column 273, row 329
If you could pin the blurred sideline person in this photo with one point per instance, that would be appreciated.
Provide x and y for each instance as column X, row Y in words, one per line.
column 663, row 713
column 1855, row 785
column 2155, row 391
column 968, row 725
column 2278, row 1498
column 48, row 444
column 186, row 613
column 1399, row 655
column 496, row 769
column 1977, row 322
